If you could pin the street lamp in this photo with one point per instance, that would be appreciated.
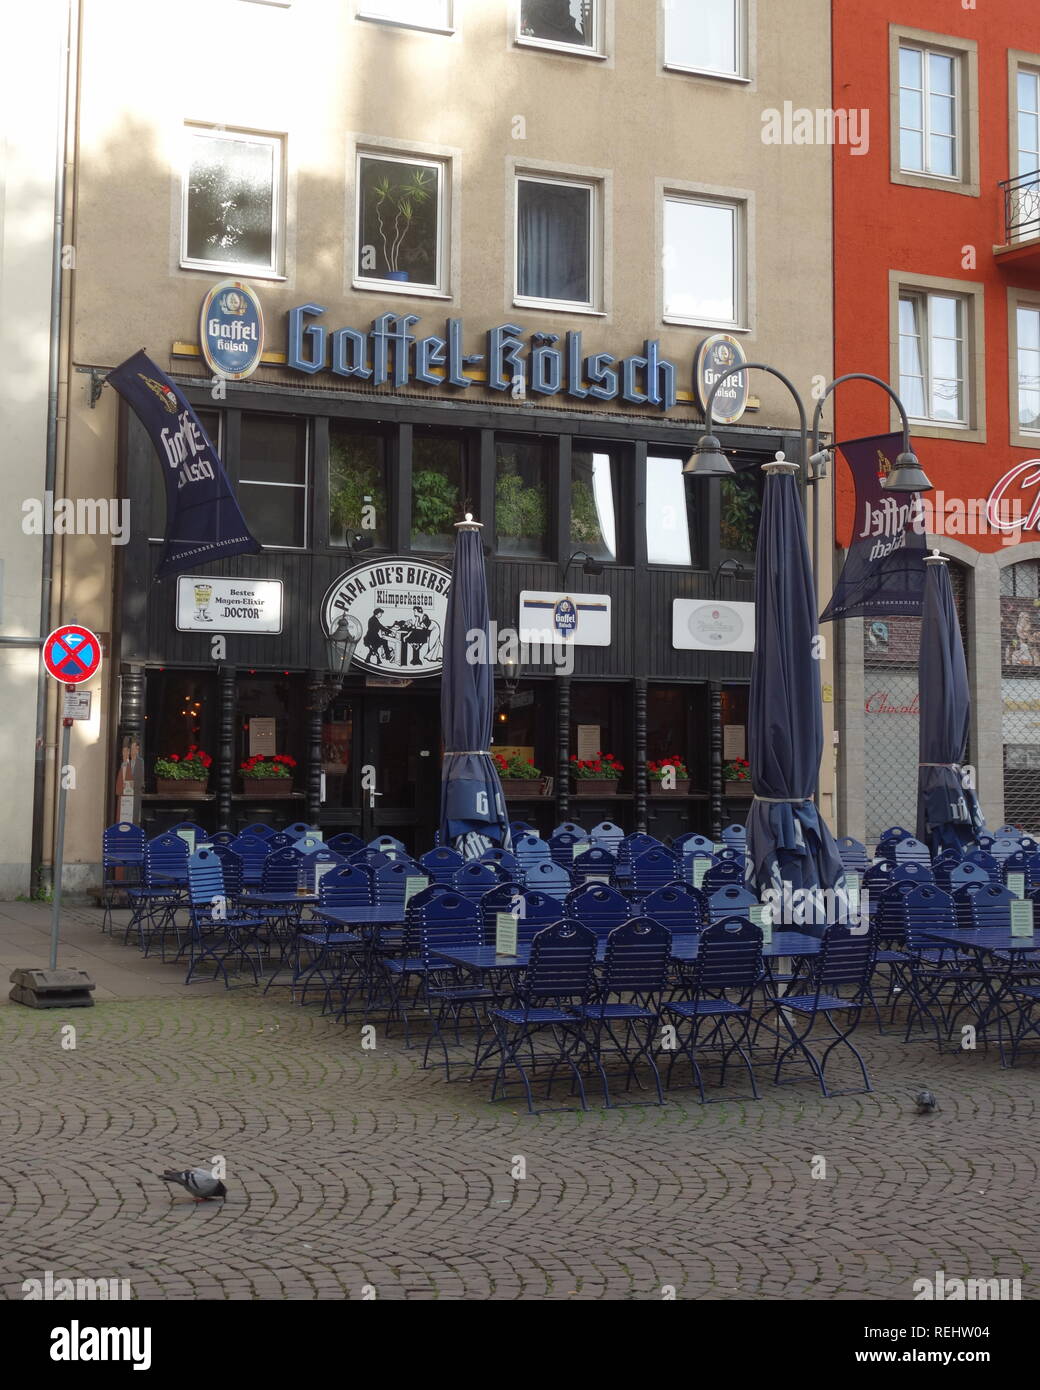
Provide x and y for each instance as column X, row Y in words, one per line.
column 340, row 646
column 908, row 475
column 590, row 565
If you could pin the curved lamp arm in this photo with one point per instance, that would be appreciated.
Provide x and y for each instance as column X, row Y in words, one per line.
column 858, row 376
column 756, row 367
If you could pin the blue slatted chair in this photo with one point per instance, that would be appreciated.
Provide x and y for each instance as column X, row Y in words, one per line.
column 569, row 827
column 346, row 843
column 257, row 828
column 550, row 878
column 879, row 876
column 986, row 861
column 503, row 898
column 910, row 850
column 623, row 1015
column 447, row 991
column 218, row 932
column 253, row 851
column 729, row 855
column 606, row 835
column 519, row 828
column 598, row 907
column 561, row 847
column 719, row 985
column 653, row 869
column 504, row 860
column 558, row 980
column 1003, row 846
column 1030, row 845
column 678, row 906
column 982, row 905
column 122, row 864
column 154, row 901
column 310, row 843
column 282, row 873
column 328, row 953
column 316, row 864
column 222, row 837
column 374, row 858
column 970, row 872
column 391, row 881
column 474, row 879
column 531, row 850
column 406, row 974
column 535, row 910
column 441, row 864
column 691, row 843
column 853, row 854
column 984, row 841
column 912, row 871
column 298, row 828
column 734, row 836
column 720, row 874
column 839, row 986
column 279, row 840
column 933, row 969
column 730, row 900
column 594, row 865
column 632, row 846
column 387, row 844
column 943, row 863
column 233, row 870
column 1026, row 864
column 893, row 834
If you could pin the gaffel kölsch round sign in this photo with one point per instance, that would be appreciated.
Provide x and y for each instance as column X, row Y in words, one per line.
column 231, row 330
column 401, row 604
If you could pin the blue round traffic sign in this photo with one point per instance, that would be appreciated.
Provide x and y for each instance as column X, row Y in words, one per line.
column 72, row 654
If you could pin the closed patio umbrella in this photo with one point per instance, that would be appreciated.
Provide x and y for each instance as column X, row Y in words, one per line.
column 473, row 809
column 948, row 813
column 787, row 839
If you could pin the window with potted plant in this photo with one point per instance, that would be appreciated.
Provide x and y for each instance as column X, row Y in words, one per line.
column 736, row 773
column 518, row 776
column 183, row 777
column 598, row 776
column 669, row 777
column 267, row 776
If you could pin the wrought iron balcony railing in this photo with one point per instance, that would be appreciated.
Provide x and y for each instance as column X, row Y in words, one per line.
column 1021, row 207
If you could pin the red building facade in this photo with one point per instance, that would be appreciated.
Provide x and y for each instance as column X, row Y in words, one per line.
column 937, row 290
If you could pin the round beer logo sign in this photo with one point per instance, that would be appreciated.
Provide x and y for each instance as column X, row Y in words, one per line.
column 231, row 330
column 715, row 356
column 401, row 604
column 565, row 617
column 716, row 625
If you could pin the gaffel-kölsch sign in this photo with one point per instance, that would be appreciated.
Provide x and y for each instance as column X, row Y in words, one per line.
column 401, row 604
column 393, row 353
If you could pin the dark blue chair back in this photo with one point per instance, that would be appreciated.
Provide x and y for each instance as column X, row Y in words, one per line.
column 853, row 854
column 894, row 833
column 911, row 850
column 1002, row 847
column 911, row 871
column 721, row 874
column 550, row 878
column 607, row 836
column 1009, row 830
column 634, row 845
column 346, row 843
column 536, row 910
column 252, row 850
column 845, row 962
column 636, row 958
column 729, row 901
column 730, row 855
column 735, row 836
column 297, row 829
column 927, row 908
column 281, row 871
column 205, row 881
column 349, row 885
column 653, row 869
column 441, row 864
column 943, row 863
column 561, row 847
column 165, row 860
column 124, row 842
column 969, row 872
column 729, row 957
column 233, row 870
column 280, row 841
column 691, row 842
column 387, row 844
column 257, row 828
column 1025, row 863
column 474, row 879
column 222, row 837
column 981, row 905
column 598, row 907
column 531, row 850
column 563, row 957
column 315, row 866
column 596, row 864
column 372, row 857
column 880, row 875
column 569, row 827
column 504, row 897
column 391, row 880
column 984, row 860
column 678, row 906
column 517, row 828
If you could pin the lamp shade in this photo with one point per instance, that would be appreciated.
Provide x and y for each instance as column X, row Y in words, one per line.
column 907, row 476
column 708, row 460
column 341, row 644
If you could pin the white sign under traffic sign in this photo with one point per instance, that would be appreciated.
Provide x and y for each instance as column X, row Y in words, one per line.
column 77, row 704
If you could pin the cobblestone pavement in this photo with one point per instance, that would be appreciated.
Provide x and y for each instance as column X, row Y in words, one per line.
column 351, row 1168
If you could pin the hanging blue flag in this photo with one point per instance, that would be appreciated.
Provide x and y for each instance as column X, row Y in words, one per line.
column 884, row 569
column 203, row 519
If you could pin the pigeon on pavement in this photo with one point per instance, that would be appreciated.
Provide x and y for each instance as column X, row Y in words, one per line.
column 199, row 1182
column 925, row 1102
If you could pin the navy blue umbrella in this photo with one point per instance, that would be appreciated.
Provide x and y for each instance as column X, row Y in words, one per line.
column 948, row 814
column 473, row 809
column 787, row 839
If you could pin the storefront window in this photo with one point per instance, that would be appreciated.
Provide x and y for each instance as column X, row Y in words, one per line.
column 272, row 473
column 358, row 485
column 438, row 482
column 271, row 718
column 600, row 723
column 740, row 501
column 596, row 507
column 677, row 725
column 523, row 726
column 337, row 754
column 1020, row 658
column 522, row 496
column 180, row 712
column 671, row 537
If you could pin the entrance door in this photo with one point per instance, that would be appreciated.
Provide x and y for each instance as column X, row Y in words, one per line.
column 402, row 766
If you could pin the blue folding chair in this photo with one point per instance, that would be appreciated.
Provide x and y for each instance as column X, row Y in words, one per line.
column 441, row 864
column 845, row 963
column 910, row 850
column 550, row 878
column 298, row 828
column 943, row 864
column 218, row 933
column 969, row 872
column 893, row 834
column 729, row 901
column 257, row 828
column 390, row 882
column 532, row 908
column 595, row 865
column 569, row 827
column 691, row 843
column 122, row 864
column 253, row 852
column 911, row 871
column 233, row 870
column 503, row 860
column 720, row 985
column 474, row 879
column 982, row 860
column 853, row 855
column 678, row 906
column 222, row 837
column 1025, row 863
column 154, row 901
column 598, row 907
column 346, row 843
column 550, row 993
column 561, row 847
column 623, row 1015
column 531, row 850
column 734, row 836
column 310, row 843
column 1003, row 846
column 388, row 845
column 315, row 864
column 519, row 828
column 607, row 836
column 721, row 874
column 630, row 848
column 652, row 870
column 406, row 974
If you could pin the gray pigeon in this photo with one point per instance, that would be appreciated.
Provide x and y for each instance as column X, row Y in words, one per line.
column 199, row 1182
column 925, row 1102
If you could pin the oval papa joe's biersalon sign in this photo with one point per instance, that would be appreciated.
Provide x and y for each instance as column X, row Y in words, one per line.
column 401, row 604
column 714, row 357
column 231, row 330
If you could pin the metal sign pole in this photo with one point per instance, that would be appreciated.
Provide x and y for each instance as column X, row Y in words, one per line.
column 59, row 844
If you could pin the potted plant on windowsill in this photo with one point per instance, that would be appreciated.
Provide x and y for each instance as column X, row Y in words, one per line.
column 519, row 776
column 598, row 776
column 184, row 778
column 669, row 777
column 267, row 777
column 736, row 776
column 396, row 205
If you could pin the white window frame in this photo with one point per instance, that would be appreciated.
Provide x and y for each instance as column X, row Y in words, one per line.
column 304, row 486
column 362, row 13
column 922, row 298
column 597, row 49
column 1019, row 299
column 1021, row 308
column 741, row 25
column 373, row 282
column 595, row 244
column 272, row 271
column 927, row 51
column 740, row 269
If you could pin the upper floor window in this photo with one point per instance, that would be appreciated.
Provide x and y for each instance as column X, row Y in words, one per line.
column 1027, row 87
column 570, row 24
column 231, row 201
column 703, row 261
column 401, row 236
column 555, row 242
column 1028, row 368
column 415, row 14
column 705, row 36
column 929, row 119
column 932, row 360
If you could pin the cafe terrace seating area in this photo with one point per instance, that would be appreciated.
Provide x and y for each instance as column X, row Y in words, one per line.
column 595, row 967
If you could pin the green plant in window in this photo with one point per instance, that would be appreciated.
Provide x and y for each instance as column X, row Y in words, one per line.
column 396, row 207
column 585, row 527
column 435, row 503
column 740, row 513
column 355, row 482
column 520, row 511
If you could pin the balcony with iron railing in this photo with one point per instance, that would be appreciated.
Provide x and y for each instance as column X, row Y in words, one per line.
column 1021, row 220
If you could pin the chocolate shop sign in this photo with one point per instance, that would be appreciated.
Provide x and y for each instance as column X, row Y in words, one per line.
column 393, row 352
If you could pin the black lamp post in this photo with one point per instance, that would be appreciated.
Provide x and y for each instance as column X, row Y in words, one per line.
column 340, row 646
column 908, row 475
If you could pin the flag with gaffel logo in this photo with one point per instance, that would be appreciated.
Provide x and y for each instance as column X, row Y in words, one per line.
column 884, row 568
column 203, row 519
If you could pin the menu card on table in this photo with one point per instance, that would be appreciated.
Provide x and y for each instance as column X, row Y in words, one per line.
column 1017, row 884
column 414, row 883
column 188, row 836
column 506, row 928
column 1022, row 918
column 580, row 847
column 701, row 865
column 320, row 870
column 760, row 917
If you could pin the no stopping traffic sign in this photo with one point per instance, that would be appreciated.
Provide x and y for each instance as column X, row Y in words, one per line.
column 72, row 654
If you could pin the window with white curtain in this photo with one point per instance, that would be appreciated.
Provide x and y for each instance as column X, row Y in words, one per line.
column 705, row 36
column 555, row 241
column 929, row 117
column 703, row 261
column 1028, row 368
column 932, row 358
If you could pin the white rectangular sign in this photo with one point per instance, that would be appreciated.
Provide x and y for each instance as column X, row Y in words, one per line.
column 77, row 704
column 704, row 624
column 583, row 619
column 209, row 603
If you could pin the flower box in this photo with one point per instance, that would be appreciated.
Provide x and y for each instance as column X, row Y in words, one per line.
column 183, row 788
column 594, row 786
column 681, row 788
column 267, row 787
column 524, row 787
column 744, row 789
